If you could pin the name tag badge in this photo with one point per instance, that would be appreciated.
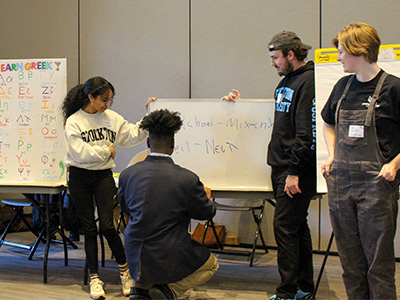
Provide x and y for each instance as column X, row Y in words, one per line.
column 356, row 131
column 280, row 98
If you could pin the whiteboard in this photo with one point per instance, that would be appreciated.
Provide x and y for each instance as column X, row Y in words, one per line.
column 327, row 72
column 224, row 143
column 31, row 125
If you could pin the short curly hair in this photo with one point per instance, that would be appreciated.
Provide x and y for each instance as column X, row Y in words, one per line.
column 162, row 123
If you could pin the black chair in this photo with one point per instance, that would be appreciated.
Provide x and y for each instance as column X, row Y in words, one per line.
column 257, row 213
column 18, row 206
column 50, row 211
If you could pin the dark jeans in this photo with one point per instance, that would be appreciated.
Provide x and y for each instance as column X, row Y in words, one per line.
column 293, row 238
column 89, row 189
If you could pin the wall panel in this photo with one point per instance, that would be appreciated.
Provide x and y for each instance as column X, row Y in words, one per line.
column 229, row 43
column 383, row 15
column 41, row 29
column 139, row 46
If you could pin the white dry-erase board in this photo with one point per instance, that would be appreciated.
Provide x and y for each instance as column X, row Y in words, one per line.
column 327, row 72
column 31, row 125
column 224, row 143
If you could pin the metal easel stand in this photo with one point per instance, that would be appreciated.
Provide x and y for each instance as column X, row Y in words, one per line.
column 321, row 271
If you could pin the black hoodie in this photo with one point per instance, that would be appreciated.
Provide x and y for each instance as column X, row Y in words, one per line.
column 293, row 139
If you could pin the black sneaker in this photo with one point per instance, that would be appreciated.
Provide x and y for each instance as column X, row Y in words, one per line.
column 161, row 292
column 139, row 294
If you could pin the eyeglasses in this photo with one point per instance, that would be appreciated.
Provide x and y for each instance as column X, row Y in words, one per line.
column 106, row 100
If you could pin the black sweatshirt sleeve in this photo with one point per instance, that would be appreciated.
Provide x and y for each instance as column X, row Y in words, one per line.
column 303, row 150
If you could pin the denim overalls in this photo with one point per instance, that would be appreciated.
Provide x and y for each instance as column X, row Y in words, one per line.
column 363, row 206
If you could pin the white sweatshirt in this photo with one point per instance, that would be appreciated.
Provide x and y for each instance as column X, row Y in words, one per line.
column 88, row 137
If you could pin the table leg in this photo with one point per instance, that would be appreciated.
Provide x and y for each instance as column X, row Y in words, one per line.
column 48, row 237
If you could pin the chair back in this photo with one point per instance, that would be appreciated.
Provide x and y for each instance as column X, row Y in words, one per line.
column 138, row 157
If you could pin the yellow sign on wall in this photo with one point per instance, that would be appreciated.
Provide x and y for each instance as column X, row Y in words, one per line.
column 329, row 55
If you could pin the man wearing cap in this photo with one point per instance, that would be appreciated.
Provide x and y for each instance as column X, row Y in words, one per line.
column 291, row 154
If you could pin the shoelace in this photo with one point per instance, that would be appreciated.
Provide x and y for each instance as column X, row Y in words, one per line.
column 96, row 285
column 126, row 280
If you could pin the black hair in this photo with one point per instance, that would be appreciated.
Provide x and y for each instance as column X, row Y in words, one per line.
column 78, row 96
column 162, row 124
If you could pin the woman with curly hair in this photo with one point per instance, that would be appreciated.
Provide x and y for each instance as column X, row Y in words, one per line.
column 92, row 132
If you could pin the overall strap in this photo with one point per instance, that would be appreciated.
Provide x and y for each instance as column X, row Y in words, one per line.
column 346, row 89
column 375, row 97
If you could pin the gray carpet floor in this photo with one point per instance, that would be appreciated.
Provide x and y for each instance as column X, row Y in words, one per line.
column 21, row 278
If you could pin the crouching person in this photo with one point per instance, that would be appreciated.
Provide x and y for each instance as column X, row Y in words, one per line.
column 161, row 198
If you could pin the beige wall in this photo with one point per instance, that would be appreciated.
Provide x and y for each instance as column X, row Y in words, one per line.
column 183, row 49
column 229, row 43
column 41, row 29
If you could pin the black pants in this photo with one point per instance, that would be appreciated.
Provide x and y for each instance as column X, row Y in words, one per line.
column 89, row 189
column 293, row 237
column 70, row 216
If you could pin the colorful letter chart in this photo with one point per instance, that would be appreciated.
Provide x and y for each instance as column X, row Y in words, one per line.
column 31, row 123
